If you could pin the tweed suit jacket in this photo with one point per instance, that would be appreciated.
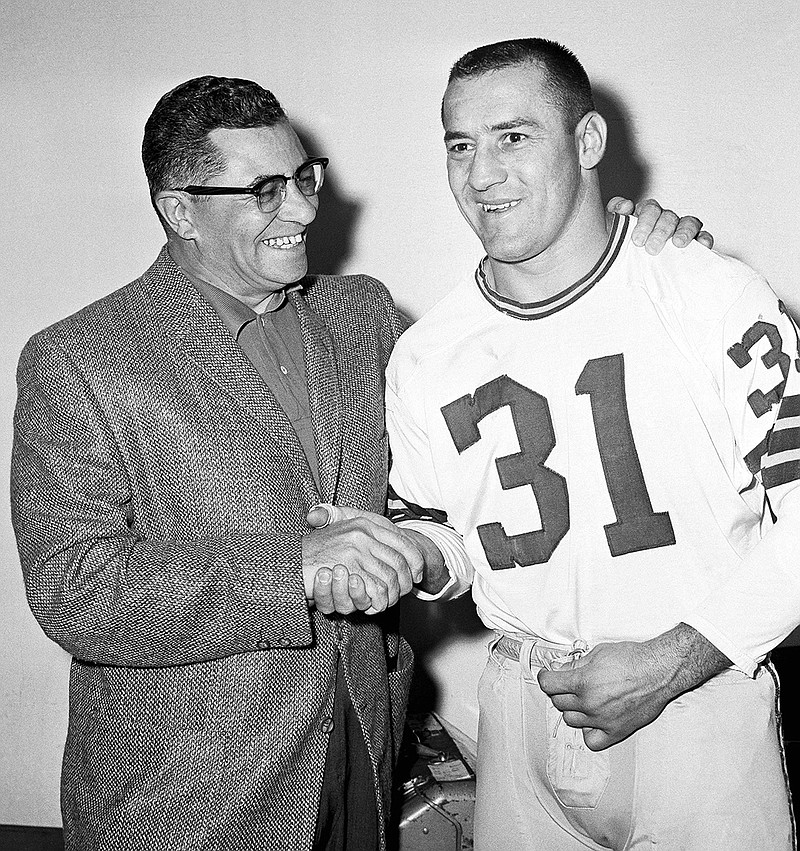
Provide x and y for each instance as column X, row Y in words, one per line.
column 159, row 496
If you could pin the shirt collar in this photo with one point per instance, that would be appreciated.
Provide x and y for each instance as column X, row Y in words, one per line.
column 542, row 309
column 235, row 314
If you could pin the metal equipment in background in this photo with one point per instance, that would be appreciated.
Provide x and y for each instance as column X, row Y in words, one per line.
column 438, row 789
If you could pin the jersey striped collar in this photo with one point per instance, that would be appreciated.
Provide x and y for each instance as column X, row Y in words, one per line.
column 540, row 309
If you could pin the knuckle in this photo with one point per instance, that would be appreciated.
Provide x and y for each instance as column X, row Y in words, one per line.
column 666, row 224
column 647, row 208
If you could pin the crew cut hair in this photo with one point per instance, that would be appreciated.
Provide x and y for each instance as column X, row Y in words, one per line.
column 568, row 86
column 176, row 149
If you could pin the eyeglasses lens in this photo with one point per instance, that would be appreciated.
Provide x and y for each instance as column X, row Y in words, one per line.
column 270, row 195
column 309, row 179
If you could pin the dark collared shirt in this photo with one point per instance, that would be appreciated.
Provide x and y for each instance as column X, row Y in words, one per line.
column 270, row 338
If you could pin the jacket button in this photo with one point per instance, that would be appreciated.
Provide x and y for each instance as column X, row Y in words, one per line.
column 327, row 725
column 263, row 644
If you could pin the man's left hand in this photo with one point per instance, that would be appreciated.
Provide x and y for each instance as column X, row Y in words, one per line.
column 611, row 692
column 619, row 687
column 655, row 226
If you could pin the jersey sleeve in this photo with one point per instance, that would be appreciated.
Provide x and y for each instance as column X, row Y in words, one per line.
column 414, row 497
column 757, row 604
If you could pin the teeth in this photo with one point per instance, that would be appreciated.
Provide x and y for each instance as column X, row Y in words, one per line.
column 493, row 208
column 281, row 241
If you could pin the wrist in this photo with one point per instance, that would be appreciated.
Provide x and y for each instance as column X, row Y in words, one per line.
column 435, row 574
column 685, row 659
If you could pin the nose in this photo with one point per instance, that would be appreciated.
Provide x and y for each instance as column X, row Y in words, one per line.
column 486, row 168
column 297, row 207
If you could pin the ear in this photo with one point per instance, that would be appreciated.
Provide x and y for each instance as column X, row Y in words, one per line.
column 590, row 138
column 177, row 212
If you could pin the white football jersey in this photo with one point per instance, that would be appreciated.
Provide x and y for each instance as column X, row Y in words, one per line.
column 613, row 456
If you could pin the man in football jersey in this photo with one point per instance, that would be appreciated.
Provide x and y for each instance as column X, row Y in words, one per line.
column 615, row 436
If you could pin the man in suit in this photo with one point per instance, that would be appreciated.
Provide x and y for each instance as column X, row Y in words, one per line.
column 170, row 440
column 167, row 451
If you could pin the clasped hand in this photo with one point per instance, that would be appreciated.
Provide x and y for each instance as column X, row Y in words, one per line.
column 357, row 561
column 611, row 692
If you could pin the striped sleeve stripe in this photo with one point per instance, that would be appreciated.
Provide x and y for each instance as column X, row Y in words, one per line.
column 401, row 509
column 777, row 456
column 780, row 474
column 784, row 439
column 790, row 407
column 754, row 456
column 781, row 463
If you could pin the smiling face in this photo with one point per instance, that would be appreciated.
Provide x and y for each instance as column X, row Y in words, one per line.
column 234, row 245
column 512, row 163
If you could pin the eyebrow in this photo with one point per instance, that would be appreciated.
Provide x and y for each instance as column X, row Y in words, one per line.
column 261, row 177
column 272, row 174
column 511, row 124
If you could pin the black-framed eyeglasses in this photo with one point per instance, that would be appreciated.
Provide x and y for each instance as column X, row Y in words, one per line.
column 270, row 192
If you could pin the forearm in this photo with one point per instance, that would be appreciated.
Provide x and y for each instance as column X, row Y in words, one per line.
column 121, row 601
column 758, row 603
column 122, row 565
column 448, row 570
column 682, row 659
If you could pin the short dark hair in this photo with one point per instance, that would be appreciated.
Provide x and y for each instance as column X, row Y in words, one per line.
column 176, row 150
column 567, row 83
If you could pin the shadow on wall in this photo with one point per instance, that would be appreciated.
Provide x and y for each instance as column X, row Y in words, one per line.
column 622, row 172
column 426, row 626
column 331, row 236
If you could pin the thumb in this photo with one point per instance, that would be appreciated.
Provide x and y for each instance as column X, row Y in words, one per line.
column 569, row 663
column 620, row 205
column 596, row 740
column 323, row 514
column 558, row 677
column 320, row 516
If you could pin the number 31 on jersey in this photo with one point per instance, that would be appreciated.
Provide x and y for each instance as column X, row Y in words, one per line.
column 637, row 526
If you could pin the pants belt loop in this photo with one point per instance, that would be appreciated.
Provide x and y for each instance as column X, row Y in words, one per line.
column 493, row 642
column 525, row 656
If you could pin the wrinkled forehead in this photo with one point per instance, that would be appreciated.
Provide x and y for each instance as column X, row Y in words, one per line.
column 259, row 151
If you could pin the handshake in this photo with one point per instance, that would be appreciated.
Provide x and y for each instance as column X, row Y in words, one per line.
column 358, row 561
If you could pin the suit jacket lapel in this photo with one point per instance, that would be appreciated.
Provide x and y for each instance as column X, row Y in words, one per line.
column 324, row 394
column 196, row 331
